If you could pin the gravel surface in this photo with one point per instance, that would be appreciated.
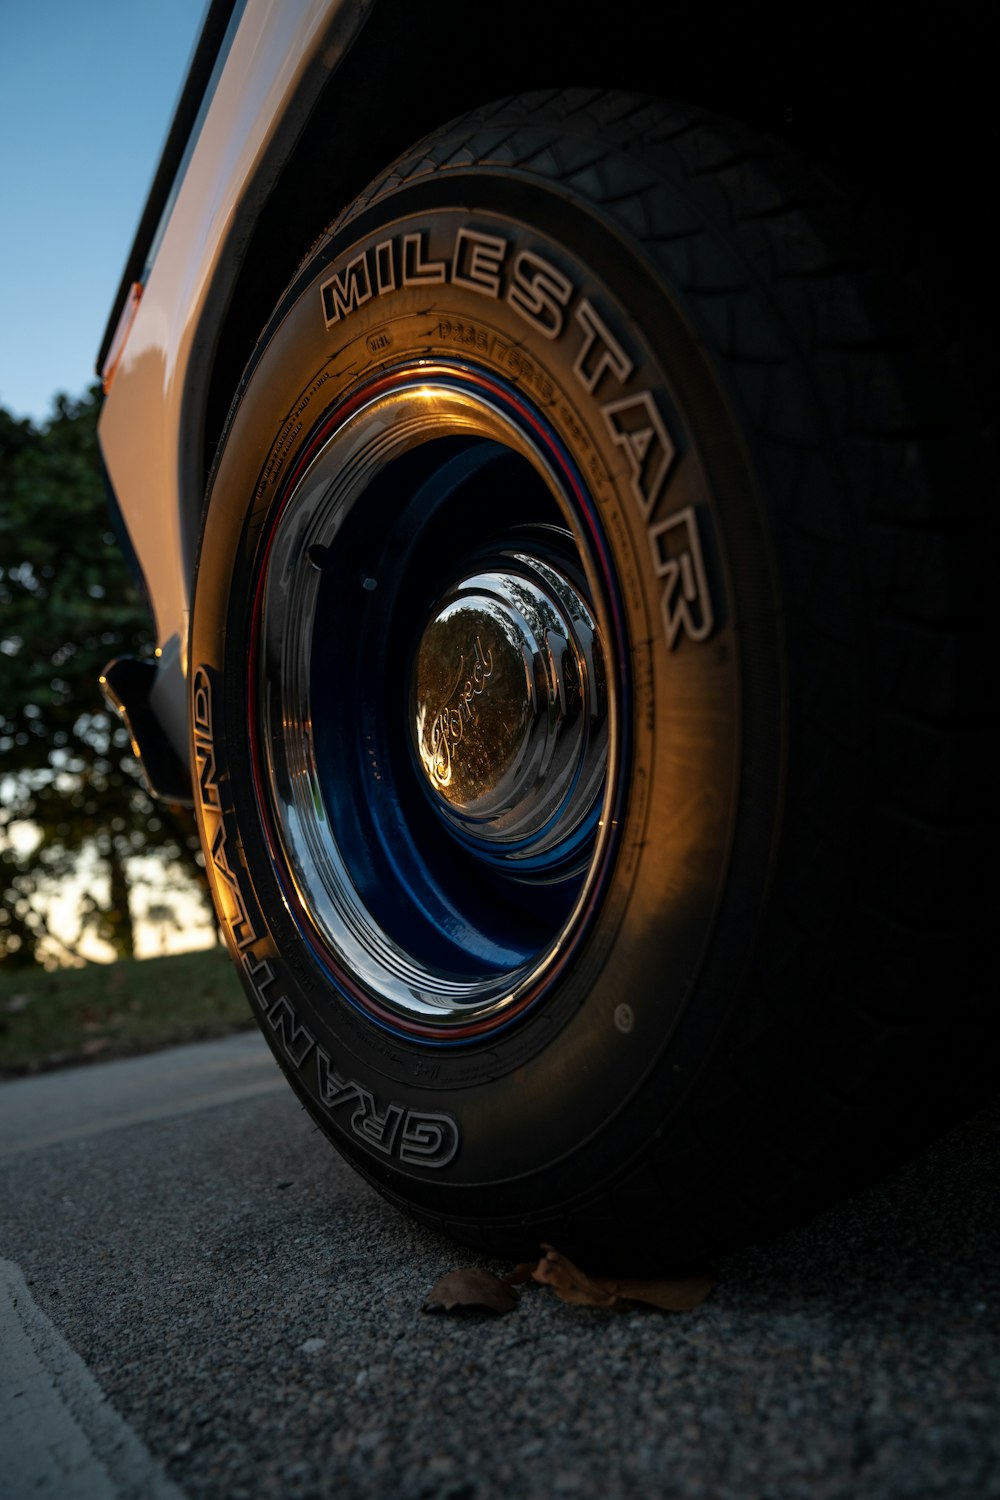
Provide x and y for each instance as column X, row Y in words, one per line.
column 253, row 1311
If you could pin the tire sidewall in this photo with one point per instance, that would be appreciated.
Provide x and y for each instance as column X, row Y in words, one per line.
column 571, row 1091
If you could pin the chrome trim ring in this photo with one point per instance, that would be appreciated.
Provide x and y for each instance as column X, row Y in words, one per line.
column 441, row 895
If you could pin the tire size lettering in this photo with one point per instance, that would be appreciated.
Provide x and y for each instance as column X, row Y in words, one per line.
column 466, row 334
column 524, row 370
column 547, row 301
column 510, row 357
column 416, row 1137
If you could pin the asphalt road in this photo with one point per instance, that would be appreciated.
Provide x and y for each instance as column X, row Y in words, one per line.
column 197, row 1298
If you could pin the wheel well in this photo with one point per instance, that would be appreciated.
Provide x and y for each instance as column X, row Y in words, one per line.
column 840, row 82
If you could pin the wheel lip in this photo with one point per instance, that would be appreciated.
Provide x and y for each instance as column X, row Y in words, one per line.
column 544, row 969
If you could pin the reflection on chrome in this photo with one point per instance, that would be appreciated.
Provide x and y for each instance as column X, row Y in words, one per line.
column 524, row 763
column 448, row 724
column 510, row 713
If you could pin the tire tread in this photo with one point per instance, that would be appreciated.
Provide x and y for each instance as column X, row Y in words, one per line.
column 814, row 319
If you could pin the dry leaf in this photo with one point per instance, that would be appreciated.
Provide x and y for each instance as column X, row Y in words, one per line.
column 569, row 1282
column 461, row 1291
column 673, row 1294
column 521, row 1273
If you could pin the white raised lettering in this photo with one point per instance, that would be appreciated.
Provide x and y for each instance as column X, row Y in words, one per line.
column 678, row 560
column 601, row 350
column 635, row 424
column 342, row 294
column 385, row 269
column 416, row 270
column 539, row 292
column 477, row 261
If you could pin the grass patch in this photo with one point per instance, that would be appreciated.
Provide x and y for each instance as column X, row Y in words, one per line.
column 115, row 1010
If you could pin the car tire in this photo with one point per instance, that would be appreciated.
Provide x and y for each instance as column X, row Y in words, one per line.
column 581, row 687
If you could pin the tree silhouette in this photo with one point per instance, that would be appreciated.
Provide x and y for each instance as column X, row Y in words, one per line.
column 71, row 794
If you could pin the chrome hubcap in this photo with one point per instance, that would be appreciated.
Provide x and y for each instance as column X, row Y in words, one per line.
column 509, row 706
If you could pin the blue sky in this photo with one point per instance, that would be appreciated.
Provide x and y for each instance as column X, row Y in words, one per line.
column 87, row 91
